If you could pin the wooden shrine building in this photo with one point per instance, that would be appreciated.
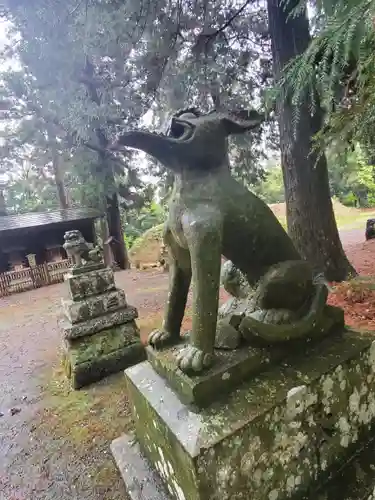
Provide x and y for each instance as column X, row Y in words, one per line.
column 41, row 234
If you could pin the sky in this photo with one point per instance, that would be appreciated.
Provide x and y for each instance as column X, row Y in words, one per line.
column 3, row 35
column 3, row 39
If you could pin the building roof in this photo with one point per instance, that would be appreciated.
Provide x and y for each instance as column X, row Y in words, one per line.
column 34, row 219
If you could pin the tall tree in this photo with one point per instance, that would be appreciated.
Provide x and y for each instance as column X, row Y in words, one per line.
column 168, row 54
column 339, row 63
column 38, row 143
column 310, row 217
column 3, row 208
column 96, row 75
column 80, row 82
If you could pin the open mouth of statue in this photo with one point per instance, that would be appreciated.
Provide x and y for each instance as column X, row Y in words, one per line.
column 180, row 129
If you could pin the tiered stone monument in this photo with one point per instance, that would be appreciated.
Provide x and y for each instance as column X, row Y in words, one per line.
column 266, row 398
column 99, row 329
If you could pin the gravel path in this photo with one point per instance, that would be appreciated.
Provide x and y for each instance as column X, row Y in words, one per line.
column 34, row 464
column 352, row 236
column 38, row 463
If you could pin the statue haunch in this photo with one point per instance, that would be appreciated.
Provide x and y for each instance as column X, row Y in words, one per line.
column 79, row 250
column 210, row 215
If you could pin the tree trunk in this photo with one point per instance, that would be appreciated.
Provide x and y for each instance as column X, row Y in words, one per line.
column 311, row 222
column 3, row 207
column 120, row 253
column 104, row 234
column 115, row 229
column 112, row 209
column 59, row 181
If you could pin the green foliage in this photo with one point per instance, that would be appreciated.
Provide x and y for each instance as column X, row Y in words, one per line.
column 339, row 66
column 271, row 190
column 70, row 92
column 137, row 222
column 155, row 233
column 89, row 74
column 352, row 178
column 349, row 200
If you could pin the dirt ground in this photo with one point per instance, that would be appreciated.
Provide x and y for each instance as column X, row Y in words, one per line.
column 54, row 443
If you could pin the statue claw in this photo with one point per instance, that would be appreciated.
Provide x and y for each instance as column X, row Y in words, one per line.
column 159, row 338
column 191, row 359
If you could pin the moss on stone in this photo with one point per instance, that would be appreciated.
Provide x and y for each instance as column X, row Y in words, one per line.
column 89, row 284
column 232, row 367
column 274, row 437
column 95, row 369
column 89, row 359
column 85, row 349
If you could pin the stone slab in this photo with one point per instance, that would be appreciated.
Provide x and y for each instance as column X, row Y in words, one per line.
column 95, row 325
column 142, row 483
column 89, row 359
column 91, row 283
column 94, row 370
column 229, row 370
column 99, row 305
column 231, row 367
column 86, row 268
column 273, row 437
column 102, row 343
column 354, row 481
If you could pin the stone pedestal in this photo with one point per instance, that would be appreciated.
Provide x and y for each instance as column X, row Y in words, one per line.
column 99, row 329
column 277, row 436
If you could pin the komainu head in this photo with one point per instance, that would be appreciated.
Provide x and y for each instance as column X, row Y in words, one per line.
column 193, row 140
column 73, row 236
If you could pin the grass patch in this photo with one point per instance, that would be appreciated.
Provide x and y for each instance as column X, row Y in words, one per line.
column 96, row 414
column 347, row 221
column 75, row 429
column 354, row 221
column 87, row 417
column 92, row 417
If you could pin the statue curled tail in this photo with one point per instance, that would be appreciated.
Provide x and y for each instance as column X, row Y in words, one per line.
column 287, row 304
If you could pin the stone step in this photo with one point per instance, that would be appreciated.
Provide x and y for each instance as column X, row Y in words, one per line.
column 89, row 359
column 99, row 305
column 95, row 325
column 88, row 284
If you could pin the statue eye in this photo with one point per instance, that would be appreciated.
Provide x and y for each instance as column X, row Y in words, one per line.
column 177, row 130
column 180, row 129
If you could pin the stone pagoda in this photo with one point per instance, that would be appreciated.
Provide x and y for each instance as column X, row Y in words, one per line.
column 100, row 335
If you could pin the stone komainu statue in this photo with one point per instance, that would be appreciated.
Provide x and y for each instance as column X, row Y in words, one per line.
column 79, row 250
column 210, row 215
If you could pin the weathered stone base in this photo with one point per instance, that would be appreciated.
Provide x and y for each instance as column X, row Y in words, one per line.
column 73, row 331
column 87, row 284
column 232, row 367
column 93, row 307
column 354, row 481
column 86, row 268
column 272, row 439
column 89, row 359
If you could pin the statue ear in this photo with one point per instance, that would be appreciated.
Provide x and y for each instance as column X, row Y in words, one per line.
column 238, row 122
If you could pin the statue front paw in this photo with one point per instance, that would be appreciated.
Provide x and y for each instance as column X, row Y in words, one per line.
column 159, row 338
column 191, row 359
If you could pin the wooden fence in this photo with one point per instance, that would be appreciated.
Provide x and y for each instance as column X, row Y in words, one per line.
column 33, row 277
